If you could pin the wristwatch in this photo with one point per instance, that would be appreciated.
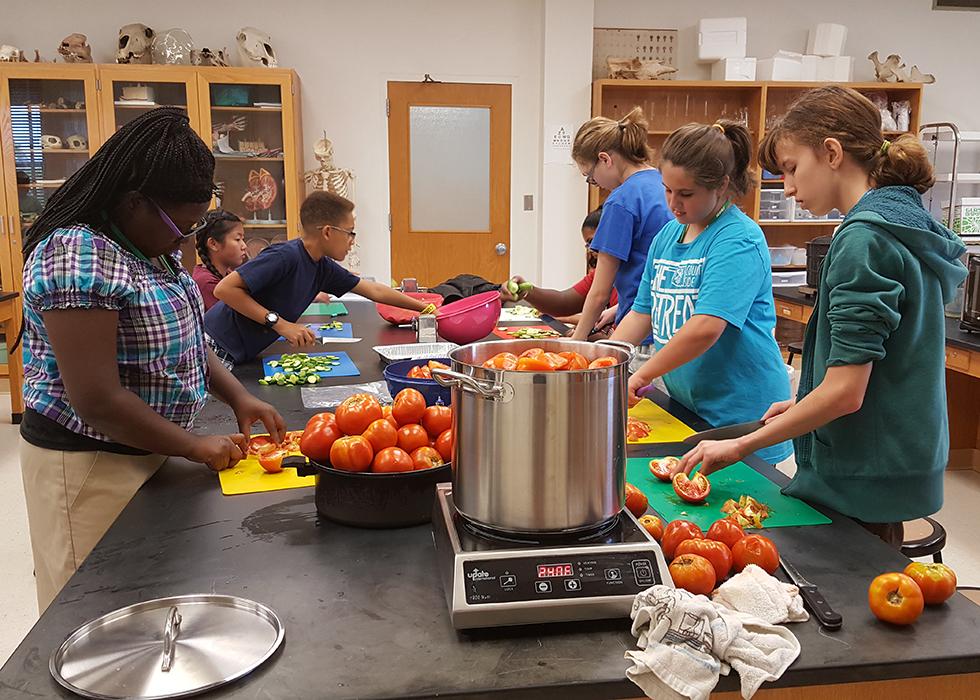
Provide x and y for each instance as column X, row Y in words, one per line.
column 271, row 319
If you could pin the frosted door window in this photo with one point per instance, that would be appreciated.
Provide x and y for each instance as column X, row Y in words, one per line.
column 450, row 168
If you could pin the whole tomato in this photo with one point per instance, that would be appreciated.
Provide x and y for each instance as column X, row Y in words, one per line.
column 426, row 458
column 758, row 550
column 357, row 412
column 444, row 445
column 692, row 489
column 386, row 412
column 437, row 419
column 412, row 436
column 392, row 459
column 726, row 531
column 409, row 406
column 575, row 361
column 653, row 525
column 895, row 598
column 693, row 573
column 602, row 362
column 272, row 461
column 676, row 532
column 663, row 468
column 636, row 500
column 317, row 440
column 351, row 453
column 381, row 434
column 717, row 553
column 936, row 581
column 320, row 418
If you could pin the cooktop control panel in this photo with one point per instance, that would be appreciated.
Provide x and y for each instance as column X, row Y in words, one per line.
column 530, row 578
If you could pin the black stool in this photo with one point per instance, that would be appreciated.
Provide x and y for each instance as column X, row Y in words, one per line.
column 932, row 544
column 793, row 349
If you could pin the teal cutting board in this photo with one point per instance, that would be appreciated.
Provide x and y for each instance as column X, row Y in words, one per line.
column 334, row 308
column 731, row 482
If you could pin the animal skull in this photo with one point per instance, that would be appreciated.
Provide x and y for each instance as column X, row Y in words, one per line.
column 172, row 47
column 51, row 141
column 255, row 48
column 75, row 49
column 10, row 54
column 76, row 142
column 207, row 57
column 134, row 44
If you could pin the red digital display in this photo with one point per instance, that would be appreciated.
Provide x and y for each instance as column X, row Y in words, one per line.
column 554, row 570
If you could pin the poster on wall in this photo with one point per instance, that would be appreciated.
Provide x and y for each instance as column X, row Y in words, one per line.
column 558, row 144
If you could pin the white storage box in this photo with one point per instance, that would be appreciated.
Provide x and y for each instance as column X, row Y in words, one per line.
column 789, row 279
column 773, row 206
column 733, row 69
column 810, row 68
column 785, row 65
column 721, row 38
column 826, row 40
column 782, row 255
column 835, row 69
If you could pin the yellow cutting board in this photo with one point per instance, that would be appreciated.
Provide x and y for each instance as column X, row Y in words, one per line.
column 248, row 476
column 663, row 426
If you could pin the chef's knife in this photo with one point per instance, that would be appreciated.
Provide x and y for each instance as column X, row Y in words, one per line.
column 728, row 432
column 813, row 598
column 327, row 340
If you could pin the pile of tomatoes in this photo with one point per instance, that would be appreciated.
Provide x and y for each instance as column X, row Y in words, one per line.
column 364, row 436
column 899, row 598
column 700, row 561
column 537, row 360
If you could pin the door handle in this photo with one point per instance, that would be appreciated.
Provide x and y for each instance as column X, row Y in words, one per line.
column 501, row 249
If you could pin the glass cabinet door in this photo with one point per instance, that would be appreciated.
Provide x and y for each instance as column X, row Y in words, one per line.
column 129, row 91
column 250, row 133
column 49, row 129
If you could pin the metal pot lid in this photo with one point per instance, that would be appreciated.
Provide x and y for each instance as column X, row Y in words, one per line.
column 167, row 648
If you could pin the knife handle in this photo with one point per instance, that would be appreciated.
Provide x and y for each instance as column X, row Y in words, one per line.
column 826, row 615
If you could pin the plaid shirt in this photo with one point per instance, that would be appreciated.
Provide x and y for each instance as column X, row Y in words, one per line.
column 160, row 338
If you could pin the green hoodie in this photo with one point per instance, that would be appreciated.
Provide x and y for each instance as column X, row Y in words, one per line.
column 889, row 271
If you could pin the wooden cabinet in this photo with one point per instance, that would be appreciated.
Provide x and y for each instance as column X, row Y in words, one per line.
column 669, row 104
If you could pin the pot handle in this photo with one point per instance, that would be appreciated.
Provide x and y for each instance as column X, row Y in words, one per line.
column 622, row 345
column 464, row 382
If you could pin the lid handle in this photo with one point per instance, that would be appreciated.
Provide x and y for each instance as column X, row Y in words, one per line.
column 170, row 634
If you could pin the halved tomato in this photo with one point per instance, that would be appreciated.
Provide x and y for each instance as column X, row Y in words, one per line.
column 636, row 429
column 534, row 364
column 692, row 490
column 575, row 360
column 556, row 361
column 532, row 352
column 662, row 468
column 272, row 461
column 636, row 500
column 601, row 362
column 503, row 360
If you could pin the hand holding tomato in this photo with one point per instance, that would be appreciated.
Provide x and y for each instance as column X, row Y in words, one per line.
column 217, row 451
column 693, row 490
column 712, row 455
column 250, row 410
column 895, row 598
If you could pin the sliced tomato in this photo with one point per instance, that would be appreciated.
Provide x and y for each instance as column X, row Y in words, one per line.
column 534, row 364
column 692, row 490
column 503, row 360
column 556, row 361
column 532, row 352
column 663, row 468
column 272, row 461
column 420, row 372
column 260, row 444
column 433, row 364
column 603, row 362
column 575, row 360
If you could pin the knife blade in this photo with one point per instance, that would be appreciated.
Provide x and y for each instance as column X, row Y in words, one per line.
column 327, row 341
column 813, row 599
column 727, row 432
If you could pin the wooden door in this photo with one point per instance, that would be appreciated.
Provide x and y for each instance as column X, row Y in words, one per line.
column 450, row 198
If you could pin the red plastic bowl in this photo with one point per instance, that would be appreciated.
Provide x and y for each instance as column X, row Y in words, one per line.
column 398, row 317
column 470, row 319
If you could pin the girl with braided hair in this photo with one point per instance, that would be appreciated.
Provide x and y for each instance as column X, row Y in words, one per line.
column 117, row 368
column 221, row 248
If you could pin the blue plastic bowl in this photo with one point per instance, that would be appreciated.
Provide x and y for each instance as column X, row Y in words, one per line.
column 396, row 376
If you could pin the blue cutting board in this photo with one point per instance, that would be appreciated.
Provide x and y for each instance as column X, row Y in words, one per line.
column 346, row 332
column 346, row 368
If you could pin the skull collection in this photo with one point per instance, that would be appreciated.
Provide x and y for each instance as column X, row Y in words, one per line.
column 135, row 41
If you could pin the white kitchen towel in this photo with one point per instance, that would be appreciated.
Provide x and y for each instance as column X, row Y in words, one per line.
column 755, row 592
column 686, row 641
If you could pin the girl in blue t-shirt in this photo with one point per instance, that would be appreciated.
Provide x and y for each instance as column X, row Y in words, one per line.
column 614, row 155
column 706, row 289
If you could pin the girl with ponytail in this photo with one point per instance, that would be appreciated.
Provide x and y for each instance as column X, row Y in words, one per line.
column 613, row 154
column 870, row 425
column 221, row 248
column 707, row 287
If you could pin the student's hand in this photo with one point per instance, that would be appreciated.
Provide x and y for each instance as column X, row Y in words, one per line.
column 296, row 334
column 712, row 455
column 636, row 382
column 777, row 409
column 607, row 318
column 250, row 410
column 510, row 290
column 428, row 309
column 218, row 451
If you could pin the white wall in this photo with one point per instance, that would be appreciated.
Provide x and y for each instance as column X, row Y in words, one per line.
column 944, row 43
column 344, row 53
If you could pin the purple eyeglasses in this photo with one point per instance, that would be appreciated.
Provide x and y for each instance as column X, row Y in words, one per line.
column 173, row 227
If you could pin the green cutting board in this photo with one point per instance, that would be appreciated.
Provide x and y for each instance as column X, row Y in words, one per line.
column 731, row 482
column 334, row 308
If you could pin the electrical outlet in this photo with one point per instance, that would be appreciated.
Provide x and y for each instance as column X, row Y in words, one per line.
column 529, row 202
